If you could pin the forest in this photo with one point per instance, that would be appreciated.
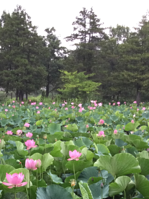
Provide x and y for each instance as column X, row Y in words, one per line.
column 109, row 63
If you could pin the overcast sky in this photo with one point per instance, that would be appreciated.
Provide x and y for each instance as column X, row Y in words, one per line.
column 61, row 13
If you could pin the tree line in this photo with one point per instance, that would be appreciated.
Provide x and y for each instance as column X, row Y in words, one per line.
column 107, row 63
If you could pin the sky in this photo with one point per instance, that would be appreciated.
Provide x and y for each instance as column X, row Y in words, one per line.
column 61, row 13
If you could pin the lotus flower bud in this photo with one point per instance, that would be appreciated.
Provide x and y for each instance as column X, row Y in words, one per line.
column 45, row 136
column 38, row 163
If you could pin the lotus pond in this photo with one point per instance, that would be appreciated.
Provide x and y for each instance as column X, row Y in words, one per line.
column 73, row 151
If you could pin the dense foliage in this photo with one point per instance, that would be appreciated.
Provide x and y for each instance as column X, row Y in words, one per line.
column 73, row 151
column 77, row 85
column 118, row 59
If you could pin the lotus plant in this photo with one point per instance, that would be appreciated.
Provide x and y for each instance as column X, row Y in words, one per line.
column 30, row 144
column 101, row 121
column 101, row 134
column 9, row 132
column 29, row 135
column 30, row 164
column 19, row 132
column 14, row 180
column 74, row 155
column 27, row 125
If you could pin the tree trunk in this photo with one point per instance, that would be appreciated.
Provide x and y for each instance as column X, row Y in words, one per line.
column 138, row 97
column 47, row 90
column 47, row 86
column 20, row 96
column 16, row 94
column 26, row 96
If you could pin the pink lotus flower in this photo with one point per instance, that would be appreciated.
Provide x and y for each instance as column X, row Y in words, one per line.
column 14, row 180
column 33, row 103
column 131, row 107
column 72, row 107
column 74, row 155
column 135, row 102
column 13, row 101
column 91, row 108
column 30, row 164
column 81, row 109
column 63, row 105
column 13, row 106
column 49, row 107
column 6, row 110
column 143, row 108
column 72, row 103
column 66, row 108
column 40, row 103
column 124, row 102
column 37, row 107
column 30, row 100
column 22, row 102
column 113, row 104
column 101, row 134
column 9, row 132
column 30, row 144
column 26, row 124
column 95, row 104
column 109, row 103
column 137, row 109
column 118, row 103
column 132, row 121
column 87, row 126
column 101, row 121
column 53, row 103
column 38, row 112
column 100, row 104
column 65, row 102
column 79, row 105
column 115, row 131
column 29, row 135
column 19, row 132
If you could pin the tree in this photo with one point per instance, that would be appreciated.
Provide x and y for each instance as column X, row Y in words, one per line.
column 52, row 59
column 110, row 64
column 77, row 85
column 20, row 67
column 90, row 36
column 134, row 59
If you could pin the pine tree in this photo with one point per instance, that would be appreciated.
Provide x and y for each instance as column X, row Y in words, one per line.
column 134, row 59
column 90, row 35
column 20, row 67
column 52, row 59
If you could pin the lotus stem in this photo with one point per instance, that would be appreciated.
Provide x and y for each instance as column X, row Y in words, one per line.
column 74, row 171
